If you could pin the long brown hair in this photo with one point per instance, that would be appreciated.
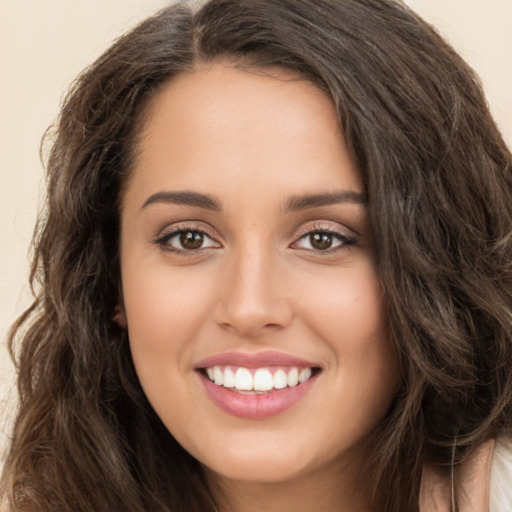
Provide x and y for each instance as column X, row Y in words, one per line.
column 439, row 181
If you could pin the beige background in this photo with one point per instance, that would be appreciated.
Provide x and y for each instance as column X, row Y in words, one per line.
column 44, row 44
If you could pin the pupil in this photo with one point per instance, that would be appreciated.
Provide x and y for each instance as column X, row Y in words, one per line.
column 321, row 241
column 191, row 240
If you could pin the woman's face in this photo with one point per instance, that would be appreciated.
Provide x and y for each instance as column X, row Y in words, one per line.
column 256, row 321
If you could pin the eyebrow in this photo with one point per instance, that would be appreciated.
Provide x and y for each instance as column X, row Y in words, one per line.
column 306, row 201
column 294, row 204
column 184, row 197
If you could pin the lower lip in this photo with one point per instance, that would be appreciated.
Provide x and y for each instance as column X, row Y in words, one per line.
column 256, row 406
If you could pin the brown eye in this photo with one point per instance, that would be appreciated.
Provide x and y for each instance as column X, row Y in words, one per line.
column 191, row 240
column 320, row 241
column 324, row 241
column 186, row 241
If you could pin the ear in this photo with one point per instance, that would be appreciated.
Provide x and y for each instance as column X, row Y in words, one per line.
column 120, row 316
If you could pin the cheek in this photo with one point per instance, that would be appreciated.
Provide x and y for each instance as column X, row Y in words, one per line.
column 349, row 309
column 349, row 314
column 164, row 309
column 165, row 312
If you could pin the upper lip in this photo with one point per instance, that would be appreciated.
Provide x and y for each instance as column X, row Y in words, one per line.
column 254, row 360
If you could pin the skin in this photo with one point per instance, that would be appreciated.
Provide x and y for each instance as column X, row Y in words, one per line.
column 252, row 140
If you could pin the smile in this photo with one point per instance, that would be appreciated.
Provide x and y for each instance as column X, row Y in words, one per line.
column 257, row 385
column 259, row 380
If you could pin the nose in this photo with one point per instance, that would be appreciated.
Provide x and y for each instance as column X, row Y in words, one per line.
column 253, row 299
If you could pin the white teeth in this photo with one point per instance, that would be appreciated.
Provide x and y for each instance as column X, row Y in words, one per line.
column 263, row 380
column 293, row 377
column 218, row 376
column 280, row 380
column 229, row 378
column 243, row 380
column 304, row 375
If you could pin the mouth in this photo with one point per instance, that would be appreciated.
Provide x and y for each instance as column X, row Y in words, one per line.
column 257, row 386
column 258, row 380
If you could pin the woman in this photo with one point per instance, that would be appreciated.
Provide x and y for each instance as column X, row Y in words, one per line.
column 274, row 272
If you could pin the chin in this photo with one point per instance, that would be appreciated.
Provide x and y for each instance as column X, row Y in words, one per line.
column 264, row 471
column 259, row 462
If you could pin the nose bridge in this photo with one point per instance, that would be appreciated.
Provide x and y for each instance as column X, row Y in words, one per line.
column 253, row 298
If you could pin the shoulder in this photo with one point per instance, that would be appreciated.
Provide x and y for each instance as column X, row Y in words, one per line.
column 470, row 480
column 501, row 476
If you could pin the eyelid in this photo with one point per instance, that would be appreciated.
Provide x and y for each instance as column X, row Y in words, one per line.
column 327, row 226
column 346, row 239
column 166, row 234
column 336, row 230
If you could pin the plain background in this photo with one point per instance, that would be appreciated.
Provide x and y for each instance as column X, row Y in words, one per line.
column 44, row 44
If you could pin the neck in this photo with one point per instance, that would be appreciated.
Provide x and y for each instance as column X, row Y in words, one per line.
column 333, row 491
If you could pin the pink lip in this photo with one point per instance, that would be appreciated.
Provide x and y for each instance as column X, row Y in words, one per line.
column 255, row 360
column 255, row 406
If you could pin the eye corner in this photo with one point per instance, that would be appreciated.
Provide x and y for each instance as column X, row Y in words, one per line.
column 324, row 240
column 186, row 239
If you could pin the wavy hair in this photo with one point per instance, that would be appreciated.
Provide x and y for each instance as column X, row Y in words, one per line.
column 439, row 181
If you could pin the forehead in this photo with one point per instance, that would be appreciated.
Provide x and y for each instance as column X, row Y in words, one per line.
column 224, row 83
column 220, row 122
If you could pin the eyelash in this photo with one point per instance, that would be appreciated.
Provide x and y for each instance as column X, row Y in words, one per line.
column 344, row 241
column 163, row 240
